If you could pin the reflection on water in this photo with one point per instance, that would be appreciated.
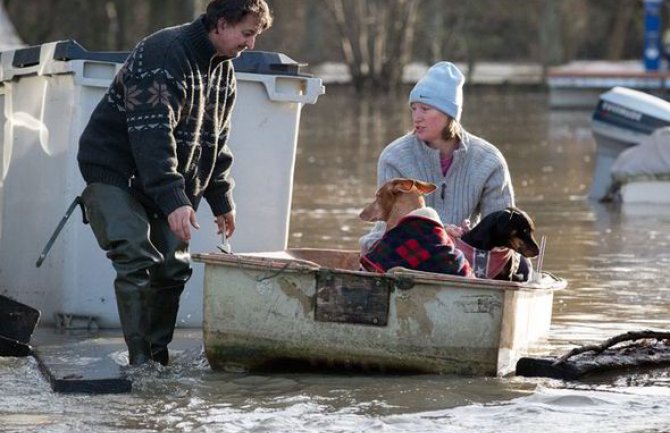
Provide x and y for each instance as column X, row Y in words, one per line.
column 615, row 258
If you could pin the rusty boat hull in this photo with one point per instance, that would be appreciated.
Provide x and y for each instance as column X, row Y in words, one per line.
column 313, row 307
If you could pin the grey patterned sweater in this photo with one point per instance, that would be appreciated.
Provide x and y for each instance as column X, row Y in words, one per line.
column 477, row 183
column 161, row 128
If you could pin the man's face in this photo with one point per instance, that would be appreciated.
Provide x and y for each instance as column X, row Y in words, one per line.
column 230, row 40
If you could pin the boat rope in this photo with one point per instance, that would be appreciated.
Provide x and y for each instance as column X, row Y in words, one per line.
column 274, row 274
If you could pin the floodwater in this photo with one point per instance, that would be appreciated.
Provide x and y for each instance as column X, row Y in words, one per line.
column 615, row 258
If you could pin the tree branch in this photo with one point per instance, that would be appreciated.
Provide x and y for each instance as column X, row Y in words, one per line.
column 628, row 336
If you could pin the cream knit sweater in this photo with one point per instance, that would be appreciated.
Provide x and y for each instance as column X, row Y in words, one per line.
column 477, row 183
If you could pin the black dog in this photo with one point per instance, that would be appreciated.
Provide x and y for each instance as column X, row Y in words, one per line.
column 511, row 228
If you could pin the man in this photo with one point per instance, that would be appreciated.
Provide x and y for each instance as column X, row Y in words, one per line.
column 154, row 146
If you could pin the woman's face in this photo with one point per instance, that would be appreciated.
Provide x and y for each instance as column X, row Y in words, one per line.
column 428, row 122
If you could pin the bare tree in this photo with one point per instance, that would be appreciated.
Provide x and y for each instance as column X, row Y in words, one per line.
column 551, row 52
column 376, row 38
column 624, row 13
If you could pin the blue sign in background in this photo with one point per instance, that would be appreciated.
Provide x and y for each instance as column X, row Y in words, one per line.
column 652, row 35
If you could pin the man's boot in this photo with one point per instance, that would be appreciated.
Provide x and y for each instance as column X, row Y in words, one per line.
column 132, row 303
column 167, row 283
column 163, row 317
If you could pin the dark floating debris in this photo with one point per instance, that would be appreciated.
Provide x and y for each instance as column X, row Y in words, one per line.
column 644, row 348
column 17, row 324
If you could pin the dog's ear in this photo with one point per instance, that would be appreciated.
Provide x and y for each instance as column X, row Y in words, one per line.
column 407, row 185
column 522, row 219
column 503, row 221
column 424, row 188
column 403, row 185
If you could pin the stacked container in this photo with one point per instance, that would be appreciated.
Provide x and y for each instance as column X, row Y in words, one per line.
column 47, row 94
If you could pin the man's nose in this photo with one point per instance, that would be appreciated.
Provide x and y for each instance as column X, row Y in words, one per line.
column 251, row 41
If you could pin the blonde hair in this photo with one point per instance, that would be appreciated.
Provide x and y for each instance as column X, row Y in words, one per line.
column 452, row 130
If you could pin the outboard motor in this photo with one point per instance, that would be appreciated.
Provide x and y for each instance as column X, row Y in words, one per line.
column 622, row 118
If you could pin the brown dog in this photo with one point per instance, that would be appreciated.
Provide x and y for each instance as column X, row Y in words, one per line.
column 396, row 199
column 415, row 237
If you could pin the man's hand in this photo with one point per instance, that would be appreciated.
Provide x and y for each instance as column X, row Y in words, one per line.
column 181, row 220
column 226, row 222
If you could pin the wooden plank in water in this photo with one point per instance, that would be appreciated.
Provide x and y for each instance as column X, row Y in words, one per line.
column 73, row 364
column 547, row 367
column 580, row 367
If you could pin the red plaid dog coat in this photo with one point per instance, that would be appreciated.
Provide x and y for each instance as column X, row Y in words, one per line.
column 419, row 243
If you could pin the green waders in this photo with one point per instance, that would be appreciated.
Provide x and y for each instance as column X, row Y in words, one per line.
column 152, row 266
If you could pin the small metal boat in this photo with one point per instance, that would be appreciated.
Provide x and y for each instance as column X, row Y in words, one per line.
column 313, row 307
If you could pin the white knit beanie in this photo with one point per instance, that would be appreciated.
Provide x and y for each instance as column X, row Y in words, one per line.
column 442, row 88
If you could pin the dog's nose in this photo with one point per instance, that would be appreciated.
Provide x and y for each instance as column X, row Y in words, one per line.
column 530, row 251
column 364, row 214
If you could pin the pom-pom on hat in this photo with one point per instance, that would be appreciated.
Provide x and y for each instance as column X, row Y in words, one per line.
column 442, row 88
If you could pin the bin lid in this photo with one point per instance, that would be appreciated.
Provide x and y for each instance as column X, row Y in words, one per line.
column 253, row 62
column 269, row 63
column 65, row 50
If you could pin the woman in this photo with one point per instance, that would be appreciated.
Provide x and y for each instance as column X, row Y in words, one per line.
column 471, row 174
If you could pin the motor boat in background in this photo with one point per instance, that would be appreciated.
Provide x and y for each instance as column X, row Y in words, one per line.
column 641, row 173
column 622, row 119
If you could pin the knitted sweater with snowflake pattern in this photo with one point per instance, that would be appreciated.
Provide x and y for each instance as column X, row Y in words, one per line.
column 162, row 127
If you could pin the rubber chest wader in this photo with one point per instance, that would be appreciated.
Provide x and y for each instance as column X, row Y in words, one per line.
column 152, row 266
